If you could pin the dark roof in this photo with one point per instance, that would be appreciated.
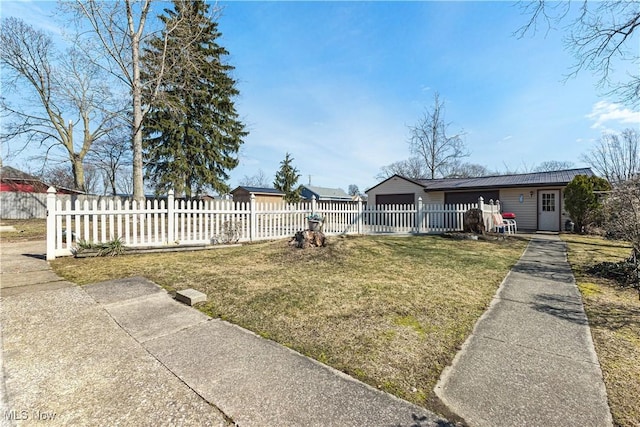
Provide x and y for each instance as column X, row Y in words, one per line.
column 327, row 193
column 258, row 190
column 537, row 179
column 7, row 172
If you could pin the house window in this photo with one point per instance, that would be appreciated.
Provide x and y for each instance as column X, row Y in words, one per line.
column 548, row 202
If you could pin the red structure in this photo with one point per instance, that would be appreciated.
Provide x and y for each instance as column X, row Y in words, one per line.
column 13, row 180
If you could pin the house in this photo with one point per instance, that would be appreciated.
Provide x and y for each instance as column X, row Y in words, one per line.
column 323, row 194
column 262, row 194
column 24, row 196
column 535, row 198
column 14, row 180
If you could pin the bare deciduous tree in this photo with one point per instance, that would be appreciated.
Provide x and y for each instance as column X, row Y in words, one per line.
column 459, row 169
column 430, row 141
column 599, row 34
column 260, row 179
column 111, row 155
column 553, row 165
column 622, row 213
column 412, row 168
column 120, row 29
column 53, row 86
column 616, row 157
column 61, row 176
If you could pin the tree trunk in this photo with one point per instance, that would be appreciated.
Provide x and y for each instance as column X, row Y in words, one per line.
column 112, row 182
column 474, row 221
column 77, row 170
column 307, row 238
column 138, row 182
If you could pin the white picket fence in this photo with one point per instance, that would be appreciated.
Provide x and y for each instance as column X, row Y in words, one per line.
column 160, row 223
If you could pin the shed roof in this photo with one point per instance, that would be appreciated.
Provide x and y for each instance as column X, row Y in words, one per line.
column 259, row 190
column 328, row 193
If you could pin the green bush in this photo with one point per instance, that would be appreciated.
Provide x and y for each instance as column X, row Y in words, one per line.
column 582, row 202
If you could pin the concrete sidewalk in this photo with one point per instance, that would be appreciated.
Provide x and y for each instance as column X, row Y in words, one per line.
column 530, row 360
column 125, row 353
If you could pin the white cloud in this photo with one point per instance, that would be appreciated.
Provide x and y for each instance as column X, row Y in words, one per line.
column 603, row 112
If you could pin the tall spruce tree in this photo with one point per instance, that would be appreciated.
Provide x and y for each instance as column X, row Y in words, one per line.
column 192, row 133
column 286, row 180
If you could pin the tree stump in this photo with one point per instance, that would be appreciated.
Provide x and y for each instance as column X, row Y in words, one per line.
column 473, row 221
column 307, row 239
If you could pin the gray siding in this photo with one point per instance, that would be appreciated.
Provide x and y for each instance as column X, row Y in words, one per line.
column 19, row 205
column 527, row 211
column 433, row 197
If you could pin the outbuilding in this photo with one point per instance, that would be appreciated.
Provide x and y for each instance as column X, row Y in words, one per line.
column 324, row 194
column 262, row 194
column 535, row 198
column 14, row 180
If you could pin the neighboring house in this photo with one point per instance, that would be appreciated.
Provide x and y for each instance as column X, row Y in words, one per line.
column 24, row 196
column 323, row 194
column 14, row 180
column 535, row 198
column 262, row 194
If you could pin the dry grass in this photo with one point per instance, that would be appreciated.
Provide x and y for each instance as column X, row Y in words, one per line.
column 391, row 311
column 26, row 230
column 614, row 317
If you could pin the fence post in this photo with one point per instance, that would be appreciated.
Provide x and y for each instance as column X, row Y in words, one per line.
column 51, row 224
column 360, row 216
column 313, row 204
column 419, row 216
column 171, row 217
column 252, row 218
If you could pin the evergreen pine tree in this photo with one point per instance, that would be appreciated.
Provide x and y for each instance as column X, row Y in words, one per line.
column 192, row 132
column 286, row 180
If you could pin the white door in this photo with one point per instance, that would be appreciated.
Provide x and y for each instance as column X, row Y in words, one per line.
column 549, row 210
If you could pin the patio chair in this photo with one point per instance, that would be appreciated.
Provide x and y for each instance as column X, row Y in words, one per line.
column 511, row 218
column 501, row 225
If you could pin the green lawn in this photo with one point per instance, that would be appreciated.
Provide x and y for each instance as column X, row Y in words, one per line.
column 614, row 317
column 391, row 311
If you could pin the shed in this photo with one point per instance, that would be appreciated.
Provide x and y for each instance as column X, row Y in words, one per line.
column 324, row 194
column 535, row 198
column 14, row 180
column 262, row 194
column 24, row 196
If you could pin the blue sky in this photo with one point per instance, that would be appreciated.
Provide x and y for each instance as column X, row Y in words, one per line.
column 337, row 84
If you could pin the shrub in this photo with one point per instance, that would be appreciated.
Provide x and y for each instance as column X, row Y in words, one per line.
column 111, row 248
column 581, row 201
